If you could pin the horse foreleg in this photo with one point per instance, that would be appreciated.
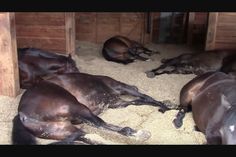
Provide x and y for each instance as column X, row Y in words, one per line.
column 98, row 122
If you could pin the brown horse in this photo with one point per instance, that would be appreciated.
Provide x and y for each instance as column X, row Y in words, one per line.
column 193, row 63
column 52, row 107
column 212, row 97
column 36, row 63
column 120, row 49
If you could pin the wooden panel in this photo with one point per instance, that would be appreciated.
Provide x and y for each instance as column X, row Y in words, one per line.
column 86, row 26
column 41, row 18
column 51, row 31
column 40, row 31
column 200, row 18
column 155, row 26
column 9, row 74
column 98, row 27
column 132, row 26
column 108, row 25
column 190, row 27
column 211, row 31
column 70, row 32
column 227, row 18
column 57, row 45
column 225, row 31
column 197, row 28
column 222, row 45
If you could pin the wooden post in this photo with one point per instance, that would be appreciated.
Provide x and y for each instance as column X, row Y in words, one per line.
column 9, row 73
column 211, row 31
column 191, row 18
column 70, row 32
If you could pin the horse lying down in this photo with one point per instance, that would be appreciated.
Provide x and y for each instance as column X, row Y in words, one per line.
column 212, row 97
column 36, row 63
column 121, row 49
column 52, row 107
column 194, row 63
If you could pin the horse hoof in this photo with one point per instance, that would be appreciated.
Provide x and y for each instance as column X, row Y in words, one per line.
column 148, row 60
column 127, row 131
column 161, row 110
column 142, row 135
column 177, row 123
column 150, row 74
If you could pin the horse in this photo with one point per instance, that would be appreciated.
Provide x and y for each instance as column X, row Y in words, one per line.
column 36, row 63
column 212, row 99
column 192, row 63
column 120, row 49
column 52, row 107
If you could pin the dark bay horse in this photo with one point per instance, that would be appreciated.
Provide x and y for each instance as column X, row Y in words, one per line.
column 193, row 63
column 36, row 63
column 120, row 49
column 212, row 97
column 53, row 106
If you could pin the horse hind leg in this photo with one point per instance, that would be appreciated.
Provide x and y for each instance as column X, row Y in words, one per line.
column 60, row 130
column 143, row 98
column 122, row 103
column 178, row 121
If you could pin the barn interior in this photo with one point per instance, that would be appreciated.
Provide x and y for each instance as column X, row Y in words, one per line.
column 82, row 34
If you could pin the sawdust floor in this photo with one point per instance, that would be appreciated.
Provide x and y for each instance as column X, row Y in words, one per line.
column 165, row 87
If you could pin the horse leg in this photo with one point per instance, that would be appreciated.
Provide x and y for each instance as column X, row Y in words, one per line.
column 178, row 121
column 87, row 116
column 141, row 58
column 130, row 90
column 213, row 136
column 149, row 52
column 122, row 103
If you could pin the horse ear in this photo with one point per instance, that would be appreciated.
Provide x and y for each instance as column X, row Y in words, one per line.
column 69, row 56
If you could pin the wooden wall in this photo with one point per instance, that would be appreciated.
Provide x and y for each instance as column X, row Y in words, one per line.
column 97, row 26
column 9, row 73
column 221, row 31
column 197, row 28
column 53, row 31
column 155, row 26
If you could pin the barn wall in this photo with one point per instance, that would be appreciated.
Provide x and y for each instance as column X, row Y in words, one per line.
column 46, row 30
column 226, row 31
column 97, row 27
column 197, row 27
column 200, row 27
column 9, row 73
column 155, row 26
